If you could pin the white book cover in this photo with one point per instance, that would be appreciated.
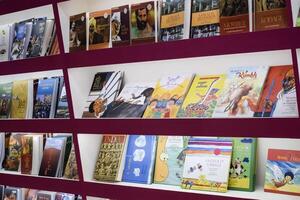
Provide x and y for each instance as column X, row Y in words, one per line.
column 4, row 42
column 37, row 153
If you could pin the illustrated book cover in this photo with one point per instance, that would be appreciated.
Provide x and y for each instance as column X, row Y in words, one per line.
column 21, row 104
column 14, row 153
column 5, row 99
column 71, row 170
column 26, row 154
column 77, row 39
column 62, row 109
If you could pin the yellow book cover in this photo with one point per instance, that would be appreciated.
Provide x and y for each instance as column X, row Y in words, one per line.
column 201, row 99
column 19, row 99
column 168, row 96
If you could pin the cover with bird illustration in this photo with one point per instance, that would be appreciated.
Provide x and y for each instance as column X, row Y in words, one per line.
column 283, row 172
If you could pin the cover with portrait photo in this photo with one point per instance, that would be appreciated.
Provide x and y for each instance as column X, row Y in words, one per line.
column 77, row 39
column 143, row 23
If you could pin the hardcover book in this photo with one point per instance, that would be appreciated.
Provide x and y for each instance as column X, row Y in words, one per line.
column 241, row 92
column 20, row 99
column 234, row 16
column 143, row 23
column 111, row 158
column 205, row 19
column 26, row 154
column 62, row 109
column 71, row 170
column 77, row 40
column 201, row 100
column 131, row 102
column 5, row 99
column 171, row 20
column 278, row 97
column 140, row 158
column 168, row 96
column 206, row 165
column 170, row 156
column 4, row 42
column 14, row 153
column 283, row 172
column 120, row 26
column 99, row 29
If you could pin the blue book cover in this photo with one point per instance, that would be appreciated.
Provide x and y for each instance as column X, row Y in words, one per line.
column 140, row 157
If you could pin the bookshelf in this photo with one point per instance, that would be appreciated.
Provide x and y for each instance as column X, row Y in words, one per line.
column 274, row 47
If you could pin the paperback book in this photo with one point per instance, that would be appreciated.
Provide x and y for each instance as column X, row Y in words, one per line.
column 77, row 40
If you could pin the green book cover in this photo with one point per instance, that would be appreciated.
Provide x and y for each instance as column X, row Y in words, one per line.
column 5, row 99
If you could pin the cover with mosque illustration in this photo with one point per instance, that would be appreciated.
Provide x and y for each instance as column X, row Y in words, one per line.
column 140, row 159
column 283, row 172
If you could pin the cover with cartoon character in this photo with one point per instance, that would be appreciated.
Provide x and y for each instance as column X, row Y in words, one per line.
column 283, row 172
column 140, row 157
column 168, row 96
column 170, row 157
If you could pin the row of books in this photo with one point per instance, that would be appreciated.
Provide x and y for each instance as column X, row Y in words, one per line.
column 14, row 193
column 27, row 39
column 211, row 164
column 124, row 26
column 250, row 91
column 50, row 155
column 39, row 98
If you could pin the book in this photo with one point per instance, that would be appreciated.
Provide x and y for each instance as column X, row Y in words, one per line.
column 62, row 109
column 2, row 191
column 45, row 195
column 77, row 40
column 201, row 99
column 298, row 19
column 14, row 153
column 11, row 193
column 26, row 154
column 31, row 194
column 71, row 170
column 104, row 90
column 170, row 156
column 2, row 148
column 6, row 149
column 205, row 19
column 5, row 99
column 171, row 20
column 99, row 29
column 207, row 164
column 241, row 92
column 143, row 25
column 283, row 172
column 234, row 17
column 168, row 96
column 270, row 15
column 111, row 158
column 278, row 97
column 64, row 196
column 140, row 158
column 49, row 27
column 120, row 26
column 131, row 102
column 4, row 42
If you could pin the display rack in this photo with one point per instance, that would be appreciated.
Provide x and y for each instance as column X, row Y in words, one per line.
column 281, row 39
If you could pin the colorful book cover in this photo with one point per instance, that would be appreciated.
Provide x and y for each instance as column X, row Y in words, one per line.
column 26, row 154
column 4, row 42
column 14, row 153
column 201, row 100
column 120, row 26
column 11, row 194
column 99, row 29
column 168, row 96
column 19, row 99
column 143, row 23
column 205, row 19
column 77, row 40
column 5, row 99
column 140, row 159
column 278, row 97
column 110, row 162
column 104, row 90
column 71, row 170
column 6, row 150
column 283, row 172
column 171, row 20
column 170, row 156
column 207, row 164
column 270, row 15
column 234, row 16
column 243, row 164
column 131, row 102
column 62, row 109
column 298, row 19
column 241, row 92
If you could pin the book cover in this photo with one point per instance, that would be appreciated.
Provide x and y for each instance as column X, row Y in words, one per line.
column 71, row 170
column 4, row 42
column 26, row 154
column 110, row 162
column 14, row 153
column 241, row 92
column 31, row 194
column 99, row 29
column 278, row 97
column 270, row 15
column 205, row 19
column 140, row 157
column 234, row 16
column 120, row 26
column 6, row 150
column 170, row 156
column 283, row 172
column 2, row 191
column 298, row 19
column 5, row 99
column 62, row 109
column 49, row 27
column 171, row 20
column 243, row 164
column 45, row 195
column 11, row 193
column 77, row 40
column 168, row 96
column 207, row 164
column 131, row 102
column 2, row 148
column 201, row 99
column 143, row 23
column 19, row 99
